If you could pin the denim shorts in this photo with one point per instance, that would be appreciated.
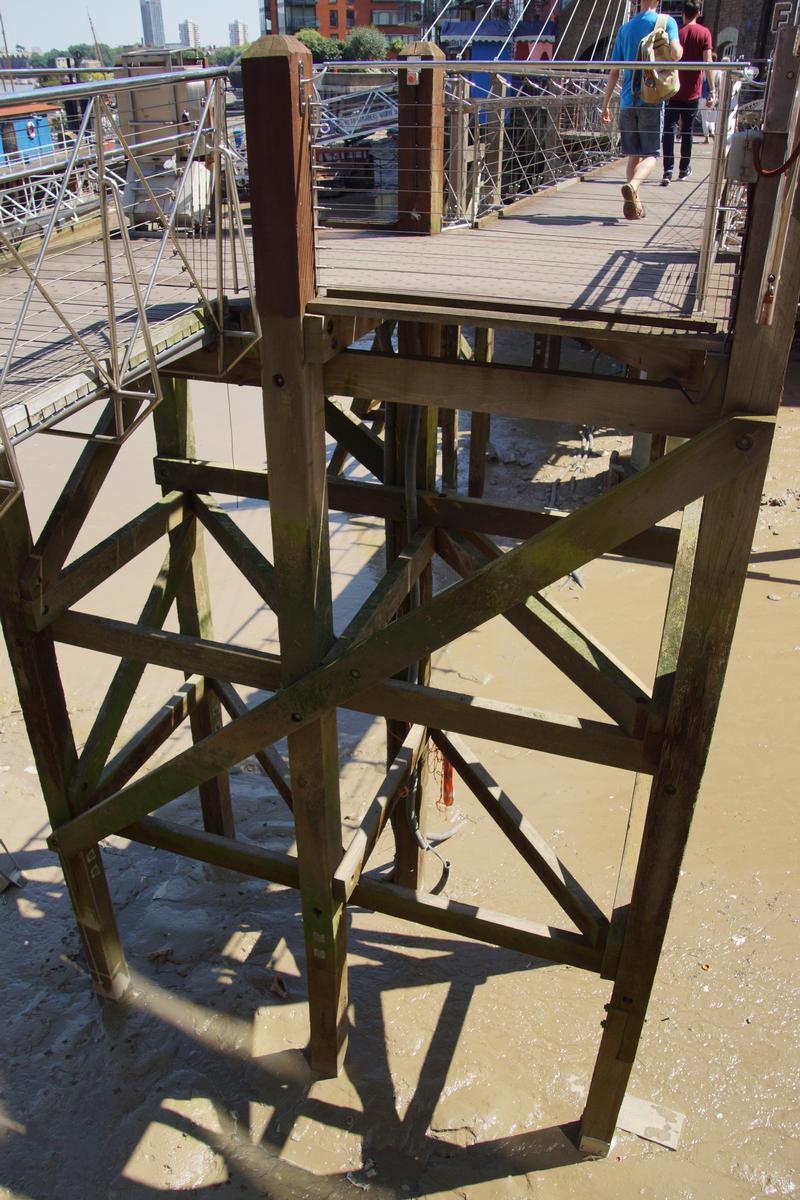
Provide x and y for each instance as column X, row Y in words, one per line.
column 640, row 129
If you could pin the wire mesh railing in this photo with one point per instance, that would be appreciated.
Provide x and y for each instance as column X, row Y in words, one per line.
column 93, row 315
column 509, row 137
column 507, row 132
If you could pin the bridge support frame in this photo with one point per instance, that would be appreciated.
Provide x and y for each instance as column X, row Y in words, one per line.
column 715, row 477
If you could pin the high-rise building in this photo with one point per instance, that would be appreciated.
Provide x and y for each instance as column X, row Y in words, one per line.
column 152, row 22
column 238, row 33
column 189, row 34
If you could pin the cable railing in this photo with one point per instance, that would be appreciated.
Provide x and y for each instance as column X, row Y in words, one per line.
column 508, row 132
column 92, row 313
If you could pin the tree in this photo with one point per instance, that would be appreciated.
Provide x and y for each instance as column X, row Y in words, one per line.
column 396, row 45
column 80, row 51
column 314, row 41
column 365, row 42
column 223, row 56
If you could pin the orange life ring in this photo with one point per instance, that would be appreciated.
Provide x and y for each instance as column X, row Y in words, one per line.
column 31, row 127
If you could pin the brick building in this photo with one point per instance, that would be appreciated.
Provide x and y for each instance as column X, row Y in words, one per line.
column 584, row 28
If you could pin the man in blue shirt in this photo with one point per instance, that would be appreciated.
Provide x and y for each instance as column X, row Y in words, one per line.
column 640, row 123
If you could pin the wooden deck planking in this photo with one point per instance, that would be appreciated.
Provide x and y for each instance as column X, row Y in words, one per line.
column 569, row 246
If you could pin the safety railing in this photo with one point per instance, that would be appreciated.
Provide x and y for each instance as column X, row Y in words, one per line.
column 491, row 134
column 94, row 316
column 508, row 137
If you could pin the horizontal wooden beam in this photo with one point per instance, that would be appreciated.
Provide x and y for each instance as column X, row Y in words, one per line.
column 107, row 557
column 356, row 856
column 180, row 651
column 536, row 318
column 435, row 912
column 525, row 839
column 498, row 721
column 324, row 337
column 697, row 466
column 521, row 392
column 372, row 500
column 513, row 724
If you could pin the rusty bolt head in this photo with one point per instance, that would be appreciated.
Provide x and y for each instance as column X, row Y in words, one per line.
column 744, row 443
column 278, row 380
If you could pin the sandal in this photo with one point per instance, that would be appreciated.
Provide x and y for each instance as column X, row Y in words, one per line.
column 632, row 208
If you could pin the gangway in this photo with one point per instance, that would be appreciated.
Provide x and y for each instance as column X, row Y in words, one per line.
column 707, row 384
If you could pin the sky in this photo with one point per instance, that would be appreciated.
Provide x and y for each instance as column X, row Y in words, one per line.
column 60, row 23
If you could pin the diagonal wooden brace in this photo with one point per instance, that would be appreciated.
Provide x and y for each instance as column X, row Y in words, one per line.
column 693, row 469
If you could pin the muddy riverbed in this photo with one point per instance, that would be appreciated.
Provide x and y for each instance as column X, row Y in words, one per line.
column 467, row 1066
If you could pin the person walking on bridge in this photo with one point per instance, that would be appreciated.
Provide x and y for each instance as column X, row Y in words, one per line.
column 681, row 109
column 640, row 123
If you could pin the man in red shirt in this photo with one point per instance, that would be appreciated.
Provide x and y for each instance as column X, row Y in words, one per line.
column 681, row 109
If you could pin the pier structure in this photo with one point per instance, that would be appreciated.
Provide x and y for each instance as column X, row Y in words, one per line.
column 705, row 339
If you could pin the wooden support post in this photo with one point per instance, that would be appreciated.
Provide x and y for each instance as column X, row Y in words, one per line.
column 413, row 339
column 420, row 151
column 759, row 355
column 481, row 422
column 44, row 708
column 278, row 116
column 448, row 417
column 458, row 129
column 495, row 143
column 174, row 432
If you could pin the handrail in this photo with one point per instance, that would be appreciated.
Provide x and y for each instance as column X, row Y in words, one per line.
column 93, row 87
column 553, row 66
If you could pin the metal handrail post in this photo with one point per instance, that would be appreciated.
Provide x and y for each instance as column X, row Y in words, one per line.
column 105, row 231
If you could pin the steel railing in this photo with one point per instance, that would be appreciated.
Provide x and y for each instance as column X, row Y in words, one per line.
column 94, row 317
column 511, row 129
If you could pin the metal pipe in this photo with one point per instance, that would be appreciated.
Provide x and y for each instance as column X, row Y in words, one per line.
column 544, row 67
column 90, row 88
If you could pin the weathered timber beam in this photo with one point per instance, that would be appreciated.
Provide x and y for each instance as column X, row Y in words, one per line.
column 324, row 337
column 542, row 318
column 179, row 651
column 625, row 404
column 384, row 601
column 356, row 856
column 370, row 500
column 588, row 664
column 498, row 721
column 257, row 570
column 143, row 745
column 104, row 559
column 529, row 843
column 435, row 912
column 267, row 757
column 660, row 361
column 553, row 733
column 706, row 462
column 126, row 679
column 365, row 446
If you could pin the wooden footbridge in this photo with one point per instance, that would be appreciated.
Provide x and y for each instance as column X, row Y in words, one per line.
column 704, row 372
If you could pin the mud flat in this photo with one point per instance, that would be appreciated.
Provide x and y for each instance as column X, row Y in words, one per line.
column 466, row 1064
